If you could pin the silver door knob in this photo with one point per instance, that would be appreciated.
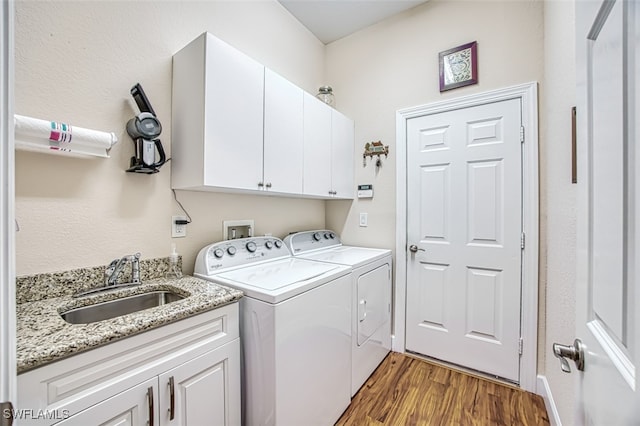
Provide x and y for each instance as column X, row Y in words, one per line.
column 573, row 352
column 414, row 248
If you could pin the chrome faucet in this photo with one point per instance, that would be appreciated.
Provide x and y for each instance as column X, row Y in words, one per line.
column 113, row 272
column 115, row 268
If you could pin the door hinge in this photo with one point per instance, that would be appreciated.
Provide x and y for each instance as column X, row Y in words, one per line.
column 6, row 413
column 520, row 343
column 522, row 238
column 521, row 134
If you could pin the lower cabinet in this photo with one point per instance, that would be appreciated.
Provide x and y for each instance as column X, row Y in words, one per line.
column 203, row 391
column 131, row 407
column 185, row 373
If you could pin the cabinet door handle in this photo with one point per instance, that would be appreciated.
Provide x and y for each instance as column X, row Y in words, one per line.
column 172, row 399
column 363, row 303
column 150, row 395
column 268, row 185
column 260, row 184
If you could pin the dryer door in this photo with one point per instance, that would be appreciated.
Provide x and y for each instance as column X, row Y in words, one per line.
column 374, row 301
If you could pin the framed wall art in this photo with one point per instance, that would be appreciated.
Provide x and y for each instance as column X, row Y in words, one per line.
column 459, row 66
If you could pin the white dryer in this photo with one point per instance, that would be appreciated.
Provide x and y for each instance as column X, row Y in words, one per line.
column 295, row 330
column 371, row 295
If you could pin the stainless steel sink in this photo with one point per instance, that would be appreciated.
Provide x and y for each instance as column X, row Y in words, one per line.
column 115, row 308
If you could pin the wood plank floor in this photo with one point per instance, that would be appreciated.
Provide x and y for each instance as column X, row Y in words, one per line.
column 409, row 391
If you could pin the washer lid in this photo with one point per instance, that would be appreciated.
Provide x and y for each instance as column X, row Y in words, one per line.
column 279, row 280
column 347, row 255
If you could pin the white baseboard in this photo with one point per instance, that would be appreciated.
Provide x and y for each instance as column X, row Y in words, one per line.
column 544, row 391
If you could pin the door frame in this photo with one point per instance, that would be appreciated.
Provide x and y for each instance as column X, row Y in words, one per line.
column 528, row 94
column 8, row 375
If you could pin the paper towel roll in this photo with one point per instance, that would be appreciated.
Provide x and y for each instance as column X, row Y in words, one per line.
column 35, row 133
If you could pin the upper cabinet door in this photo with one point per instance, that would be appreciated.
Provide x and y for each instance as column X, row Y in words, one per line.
column 283, row 135
column 234, row 93
column 317, row 147
column 216, row 120
column 342, row 155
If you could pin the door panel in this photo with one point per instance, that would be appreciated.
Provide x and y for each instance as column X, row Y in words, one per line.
column 464, row 215
column 373, row 302
column 131, row 407
column 342, row 161
column 283, row 133
column 206, row 389
column 233, row 129
column 484, row 298
column 485, row 202
column 432, row 295
column 435, row 203
column 609, row 188
column 317, row 147
column 608, row 168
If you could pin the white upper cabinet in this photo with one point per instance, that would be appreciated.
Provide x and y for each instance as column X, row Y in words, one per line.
column 240, row 127
column 317, row 147
column 328, row 151
column 217, row 117
column 282, row 135
column 342, row 151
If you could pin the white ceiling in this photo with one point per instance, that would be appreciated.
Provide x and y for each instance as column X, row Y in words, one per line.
column 330, row 20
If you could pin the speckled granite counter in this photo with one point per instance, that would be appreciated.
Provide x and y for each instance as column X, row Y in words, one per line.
column 43, row 336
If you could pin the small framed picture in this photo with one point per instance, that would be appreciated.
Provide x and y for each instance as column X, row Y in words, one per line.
column 459, row 66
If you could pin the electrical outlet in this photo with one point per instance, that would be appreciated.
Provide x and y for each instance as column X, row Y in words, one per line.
column 363, row 219
column 178, row 231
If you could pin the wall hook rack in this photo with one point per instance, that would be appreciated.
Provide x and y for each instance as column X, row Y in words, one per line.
column 375, row 148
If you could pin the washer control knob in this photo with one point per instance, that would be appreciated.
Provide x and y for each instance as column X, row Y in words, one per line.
column 332, row 235
column 268, row 245
column 278, row 243
column 231, row 250
column 316, row 236
column 327, row 235
column 218, row 253
column 251, row 247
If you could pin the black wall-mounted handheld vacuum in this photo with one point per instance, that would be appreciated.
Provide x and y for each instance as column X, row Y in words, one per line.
column 144, row 129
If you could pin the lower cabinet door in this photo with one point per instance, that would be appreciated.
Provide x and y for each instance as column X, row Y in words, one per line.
column 137, row 406
column 203, row 391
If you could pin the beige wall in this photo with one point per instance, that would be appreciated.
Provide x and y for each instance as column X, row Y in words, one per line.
column 394, row 65
column 75, row 63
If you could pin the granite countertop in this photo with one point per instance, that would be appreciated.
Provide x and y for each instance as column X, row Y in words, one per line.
column 43, row 336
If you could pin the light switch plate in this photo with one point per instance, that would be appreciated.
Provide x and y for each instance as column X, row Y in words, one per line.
column 364, row 219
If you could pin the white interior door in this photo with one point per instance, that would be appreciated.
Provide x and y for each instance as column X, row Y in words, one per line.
column 609, row 192
column 464, row 228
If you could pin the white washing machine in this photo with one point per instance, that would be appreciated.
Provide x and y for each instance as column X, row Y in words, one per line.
column 295, row 330
column 371, row 295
